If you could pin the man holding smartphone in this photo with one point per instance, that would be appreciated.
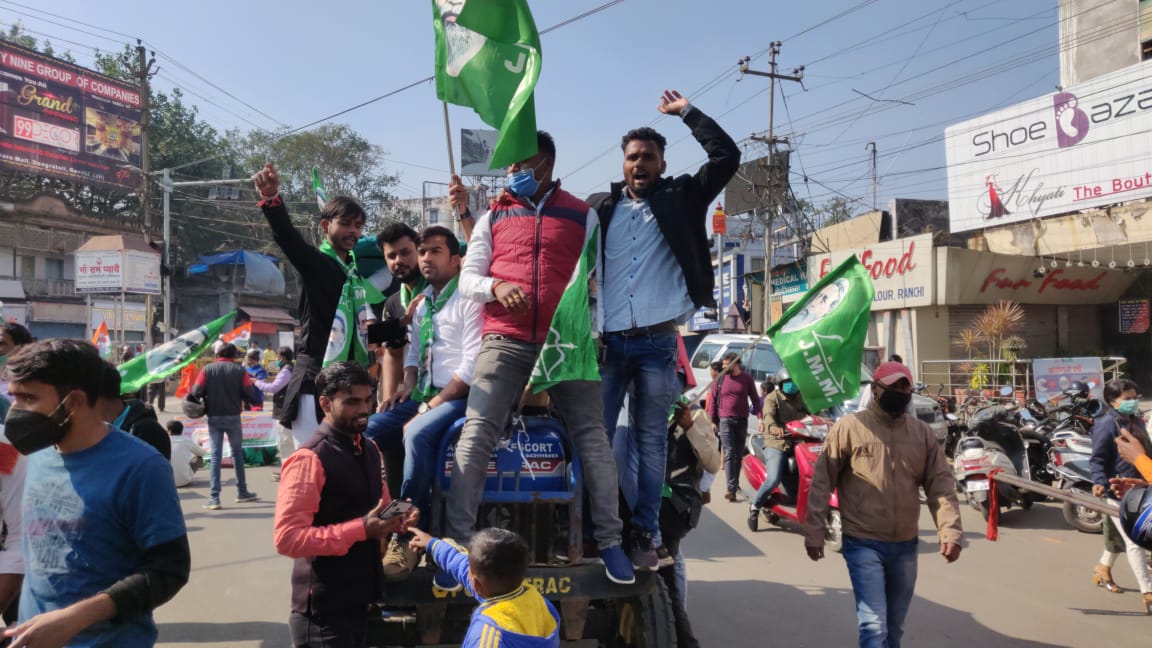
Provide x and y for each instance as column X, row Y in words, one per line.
column 329, row 516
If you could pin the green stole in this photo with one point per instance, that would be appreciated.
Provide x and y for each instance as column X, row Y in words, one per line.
column 424, row 388
column 346, row 340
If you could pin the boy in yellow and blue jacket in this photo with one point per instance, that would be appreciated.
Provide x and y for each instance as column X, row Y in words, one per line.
column 492, row 570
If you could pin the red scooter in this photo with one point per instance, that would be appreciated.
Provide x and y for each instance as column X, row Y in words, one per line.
column 789, row 501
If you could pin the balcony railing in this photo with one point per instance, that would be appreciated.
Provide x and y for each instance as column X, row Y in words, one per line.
column 49, row 287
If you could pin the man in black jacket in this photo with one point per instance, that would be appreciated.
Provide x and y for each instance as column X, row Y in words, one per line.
column 322, row 278
column 224, row 387
column 655, row 270
column 132, row 415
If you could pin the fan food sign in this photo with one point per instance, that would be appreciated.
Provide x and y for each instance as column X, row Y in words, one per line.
column 1083, row 147
column 901, row 271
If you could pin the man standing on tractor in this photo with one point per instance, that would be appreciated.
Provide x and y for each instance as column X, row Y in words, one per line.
column 520, row 259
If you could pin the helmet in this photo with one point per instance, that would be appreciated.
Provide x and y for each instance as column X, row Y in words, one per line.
column 782, row 376
column 193, row 409
column 1078, row 389
column 1136, row 515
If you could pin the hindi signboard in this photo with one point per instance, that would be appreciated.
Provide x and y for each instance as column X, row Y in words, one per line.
column 102, row 271
column 64, row 121
column 1134, row 316
column 1053, row 375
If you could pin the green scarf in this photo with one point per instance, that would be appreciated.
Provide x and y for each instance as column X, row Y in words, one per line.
column 346, row 341
column 408, row 294
column 424, row 388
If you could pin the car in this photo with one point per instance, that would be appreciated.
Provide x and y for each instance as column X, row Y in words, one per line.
column 762, row 362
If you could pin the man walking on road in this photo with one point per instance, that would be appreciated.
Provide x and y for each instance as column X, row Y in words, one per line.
column 878, row 459
column 104, row 536
column 328, row 519
column 732, row 394
column 224, row 387
column 655, row 273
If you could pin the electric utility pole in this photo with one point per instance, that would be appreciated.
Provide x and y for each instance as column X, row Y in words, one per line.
column 142, row 70
column 872, row 145
column 777, row 187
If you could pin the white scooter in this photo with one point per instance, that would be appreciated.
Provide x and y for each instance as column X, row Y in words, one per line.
column 992, row 441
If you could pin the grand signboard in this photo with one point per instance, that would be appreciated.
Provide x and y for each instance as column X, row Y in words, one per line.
column 1082, row 147
column 901, row 271
column 60, row 120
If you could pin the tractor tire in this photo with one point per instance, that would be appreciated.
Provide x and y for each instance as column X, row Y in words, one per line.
column 647, row 621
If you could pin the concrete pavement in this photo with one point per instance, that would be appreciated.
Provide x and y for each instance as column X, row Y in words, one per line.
column 1031, row 588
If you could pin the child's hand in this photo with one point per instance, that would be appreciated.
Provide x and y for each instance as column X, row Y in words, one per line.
column 410, row 519
column 420, row 540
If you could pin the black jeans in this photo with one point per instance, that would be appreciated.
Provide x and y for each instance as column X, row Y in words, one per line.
column 328, row 631
column 733, row 436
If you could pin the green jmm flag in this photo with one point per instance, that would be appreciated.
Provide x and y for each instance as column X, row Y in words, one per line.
column 170, row 357
column 821, row 337
column 569, row 351
column 488, row 58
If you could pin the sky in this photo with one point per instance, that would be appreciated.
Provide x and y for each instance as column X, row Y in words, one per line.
column 926, row 64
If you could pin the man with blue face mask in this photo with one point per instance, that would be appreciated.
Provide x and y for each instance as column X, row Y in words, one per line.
column 520, row 259
column 781, row 407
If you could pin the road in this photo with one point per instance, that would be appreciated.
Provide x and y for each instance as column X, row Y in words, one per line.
column 1031, row 588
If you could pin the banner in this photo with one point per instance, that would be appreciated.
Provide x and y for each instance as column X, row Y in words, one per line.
column 569, row 351
column 168, row 358
column 1053, row 375
column 241, row 336
column 61, row 120
column 112, row 271
column 488, row 58
column 102, row 341
column 258, row 431
column 820, row 339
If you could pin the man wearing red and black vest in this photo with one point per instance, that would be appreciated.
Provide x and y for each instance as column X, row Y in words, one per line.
column 520, row 258
column 328, row 519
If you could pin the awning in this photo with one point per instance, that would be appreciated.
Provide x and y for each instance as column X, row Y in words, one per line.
column 268, row 320
column 12, row 289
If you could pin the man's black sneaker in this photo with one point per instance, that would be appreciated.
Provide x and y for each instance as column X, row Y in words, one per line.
column 664, row 558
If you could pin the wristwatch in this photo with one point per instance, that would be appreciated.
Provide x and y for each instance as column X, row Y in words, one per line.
column 423, row 408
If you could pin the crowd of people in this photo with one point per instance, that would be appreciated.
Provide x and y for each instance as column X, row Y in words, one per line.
column 365, row 400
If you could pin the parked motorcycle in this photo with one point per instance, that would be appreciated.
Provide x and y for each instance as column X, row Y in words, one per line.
column 1070, row 455
column 789, row 501
column 992, row 441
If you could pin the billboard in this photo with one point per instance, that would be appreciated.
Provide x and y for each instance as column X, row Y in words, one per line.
column 60, row 120
column 1054, row 375
column 1083, row 147
column 110, row 271
column 476, row 148
column 733, row 272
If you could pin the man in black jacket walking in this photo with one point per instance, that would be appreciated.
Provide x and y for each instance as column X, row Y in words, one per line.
column 224, row 387
column 655, row 270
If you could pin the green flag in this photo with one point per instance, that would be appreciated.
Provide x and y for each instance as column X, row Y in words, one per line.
column 821, row 337
column 318, row 187
column 170, row 357
column 569, row 351
column 488, row 58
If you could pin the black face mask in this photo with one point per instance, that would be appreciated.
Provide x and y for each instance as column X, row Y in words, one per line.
column 30, row 431
column 894, row 402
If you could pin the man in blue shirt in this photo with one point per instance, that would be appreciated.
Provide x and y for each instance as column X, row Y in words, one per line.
column 655, row 271
column 104, row 536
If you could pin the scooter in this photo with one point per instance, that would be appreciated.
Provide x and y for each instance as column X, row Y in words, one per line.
column 1069, row 456
column 789, row 501
column 992, row 441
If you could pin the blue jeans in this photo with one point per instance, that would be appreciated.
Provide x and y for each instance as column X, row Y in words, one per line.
column 883, row 579
column 774, row 462
column 218, row 426
column 647, row 364
column 628, row 458
column 386, row 429
column 422, row 463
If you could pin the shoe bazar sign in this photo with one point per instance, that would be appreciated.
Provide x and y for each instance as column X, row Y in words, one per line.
column 901, row 270
column 1082, row 147
column 64, row 121
column 974, row 277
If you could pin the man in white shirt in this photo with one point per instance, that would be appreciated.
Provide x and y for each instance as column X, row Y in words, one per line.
column 444, row 340
column 187, row 457
column 12, row 469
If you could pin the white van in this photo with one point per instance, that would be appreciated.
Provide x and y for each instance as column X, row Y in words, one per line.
column 763, row 363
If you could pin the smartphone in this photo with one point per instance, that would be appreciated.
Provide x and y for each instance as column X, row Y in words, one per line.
column 396, row 508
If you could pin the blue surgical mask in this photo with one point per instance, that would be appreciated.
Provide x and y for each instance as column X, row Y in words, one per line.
column 1128, row 406
column 524, row 183
column 789, row 388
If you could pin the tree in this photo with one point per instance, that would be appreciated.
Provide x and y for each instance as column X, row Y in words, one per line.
column 348, row 165
column 835, row 210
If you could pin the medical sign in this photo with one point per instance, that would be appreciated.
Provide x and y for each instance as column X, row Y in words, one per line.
column 60, row 120
column 1082, row 147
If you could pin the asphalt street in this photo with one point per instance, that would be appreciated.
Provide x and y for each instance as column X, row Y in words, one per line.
column 1031, row 588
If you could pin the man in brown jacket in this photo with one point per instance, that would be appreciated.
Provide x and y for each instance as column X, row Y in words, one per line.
column 878, row 458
